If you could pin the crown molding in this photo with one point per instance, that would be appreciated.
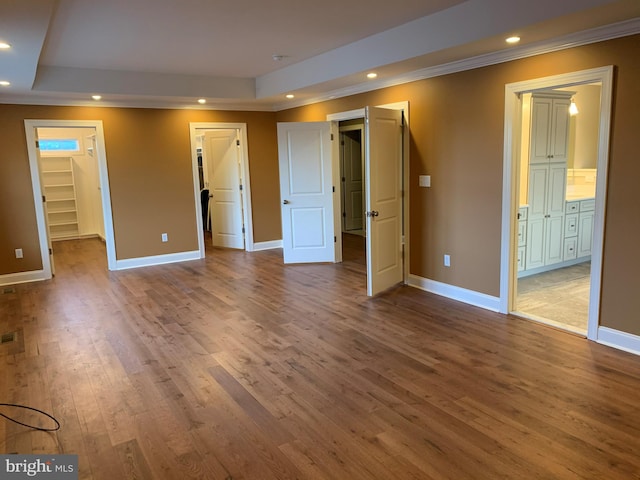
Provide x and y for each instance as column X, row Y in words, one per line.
column 585, row 37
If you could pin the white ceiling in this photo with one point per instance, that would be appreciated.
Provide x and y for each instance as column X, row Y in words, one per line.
column 169, row 53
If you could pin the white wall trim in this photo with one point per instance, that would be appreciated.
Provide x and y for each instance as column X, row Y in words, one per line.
column 24, row 277
column 157, row 260
column 460, row 294
column 620, row 340
column 270, row 245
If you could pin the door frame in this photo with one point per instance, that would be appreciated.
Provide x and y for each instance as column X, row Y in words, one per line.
column 241, row 128
column 360, row 113
column 511, row 179
column 30, row 131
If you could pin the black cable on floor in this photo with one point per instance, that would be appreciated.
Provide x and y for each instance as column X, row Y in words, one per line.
column 33, row 409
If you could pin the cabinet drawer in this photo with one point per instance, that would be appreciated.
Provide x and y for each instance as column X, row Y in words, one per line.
column 570, row 248
column 587, row 205
column 571, row 225
column 521, row 258
column 572, row 207
column 522, row 213
column 522, row 233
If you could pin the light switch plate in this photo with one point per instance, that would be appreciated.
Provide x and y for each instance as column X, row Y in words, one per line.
column 424, row 180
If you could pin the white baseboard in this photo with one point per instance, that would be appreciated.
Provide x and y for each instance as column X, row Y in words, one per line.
column 157, row 260
column 620, row 340
column 267, row 245
column 23, row 277
column 456, row 293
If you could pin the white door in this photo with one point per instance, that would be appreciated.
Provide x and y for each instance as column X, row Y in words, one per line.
column 352, row 181
column 306, row 158
column 222, row 178
column 383, row 174
column 44, row 203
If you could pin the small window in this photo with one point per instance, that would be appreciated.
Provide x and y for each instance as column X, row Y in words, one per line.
column 59, row 145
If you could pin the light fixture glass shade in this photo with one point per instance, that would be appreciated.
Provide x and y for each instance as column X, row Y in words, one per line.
column 573, row 108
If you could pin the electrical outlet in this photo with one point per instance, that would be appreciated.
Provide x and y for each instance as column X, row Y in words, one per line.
column 19, row 253
column 165, row 237
column 447, row 260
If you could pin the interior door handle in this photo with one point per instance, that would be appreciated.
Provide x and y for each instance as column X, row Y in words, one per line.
column 285, row 202
column 372, row 213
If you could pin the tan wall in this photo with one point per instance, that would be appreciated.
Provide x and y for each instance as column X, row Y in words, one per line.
column 150, row 176
column 457, row 129
column 457, row 124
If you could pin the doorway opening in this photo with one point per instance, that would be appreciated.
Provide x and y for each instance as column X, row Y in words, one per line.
column 554, row 198
column 221, row 185
column 352, row 129
column 70, row 183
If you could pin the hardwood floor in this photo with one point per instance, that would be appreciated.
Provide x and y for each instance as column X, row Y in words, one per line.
column 238, row 367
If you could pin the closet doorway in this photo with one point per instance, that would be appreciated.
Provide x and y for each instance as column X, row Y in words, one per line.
column 70, row 184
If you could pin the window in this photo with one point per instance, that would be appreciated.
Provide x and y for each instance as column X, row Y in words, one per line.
column 59, row 145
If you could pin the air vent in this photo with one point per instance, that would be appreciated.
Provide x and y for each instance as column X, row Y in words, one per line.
column 7, row 337
column 9, row 290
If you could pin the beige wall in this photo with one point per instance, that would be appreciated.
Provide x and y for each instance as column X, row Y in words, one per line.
column 150, row 175
column 457, row 129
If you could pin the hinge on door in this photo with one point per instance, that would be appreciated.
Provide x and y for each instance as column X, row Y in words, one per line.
column 240, row 187
column 332, row 137
column 334, row 189
column 238, row 142
column 44, row 199
column 51, row 251
column 242, row 228
column 344, row 179
column 37, row 144
column 344, row 214
column 335, row 239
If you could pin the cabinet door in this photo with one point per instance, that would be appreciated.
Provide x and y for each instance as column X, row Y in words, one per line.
column 538, row 184
column 554, row 240
column 585, row 233
column 556, row 196
column 522, row 233
column 535, row 243
column 541, row 109
column 559, row 132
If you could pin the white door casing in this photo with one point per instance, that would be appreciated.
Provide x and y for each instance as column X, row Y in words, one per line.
column 223, row 179
column 383, row 173
column 31, row 127
column 306, row 157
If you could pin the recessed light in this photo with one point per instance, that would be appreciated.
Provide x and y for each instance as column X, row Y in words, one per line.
column 4, row 45
column 96, row 97
column 202, row 101
column 290, row 95
column 512, row 40
column 372, row 75
column 4, row 83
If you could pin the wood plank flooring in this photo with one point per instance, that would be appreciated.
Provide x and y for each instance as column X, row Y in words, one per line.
column 238, row 367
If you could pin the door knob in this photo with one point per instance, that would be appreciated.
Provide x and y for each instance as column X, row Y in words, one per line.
column 285, row 202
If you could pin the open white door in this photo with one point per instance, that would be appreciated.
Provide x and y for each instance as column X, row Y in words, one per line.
column 222, row 178
column 306, row 157
column 44, row 203
column 383, row 171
